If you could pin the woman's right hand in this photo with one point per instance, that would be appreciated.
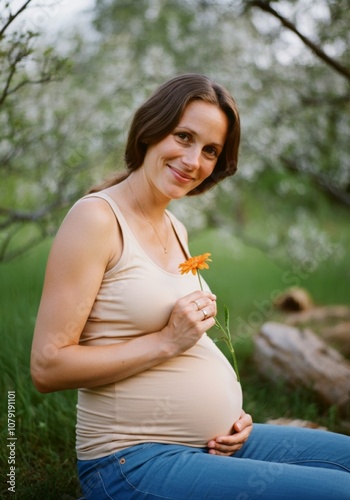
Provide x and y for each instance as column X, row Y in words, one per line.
column 191, row 316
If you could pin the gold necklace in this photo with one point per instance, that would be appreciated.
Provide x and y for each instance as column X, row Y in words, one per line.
column 150, row 222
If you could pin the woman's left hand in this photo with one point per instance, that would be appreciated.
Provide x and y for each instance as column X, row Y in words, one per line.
column 226, row 445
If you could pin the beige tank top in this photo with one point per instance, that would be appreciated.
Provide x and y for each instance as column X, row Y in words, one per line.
column 187, row 400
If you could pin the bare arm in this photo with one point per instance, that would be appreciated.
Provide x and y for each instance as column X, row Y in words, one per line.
column 87, row 242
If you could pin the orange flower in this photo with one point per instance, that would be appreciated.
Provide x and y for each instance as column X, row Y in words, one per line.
column 195, row 263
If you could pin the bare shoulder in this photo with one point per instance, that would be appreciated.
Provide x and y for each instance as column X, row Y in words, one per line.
column 183, row 230
column 89, row 228
column 91, row 215
column 94, row 209
column 179, row 226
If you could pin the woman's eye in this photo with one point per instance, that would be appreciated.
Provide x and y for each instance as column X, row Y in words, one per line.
column 183, row 136
column 211, row 151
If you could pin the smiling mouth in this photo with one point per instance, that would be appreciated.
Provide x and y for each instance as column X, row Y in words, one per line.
column 180, row 175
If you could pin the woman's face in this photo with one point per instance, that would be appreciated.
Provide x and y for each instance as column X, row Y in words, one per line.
column 187, row 156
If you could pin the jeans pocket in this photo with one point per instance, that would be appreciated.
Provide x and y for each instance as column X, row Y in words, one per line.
column 115, row 476
column 93, row 488
column 131, row 461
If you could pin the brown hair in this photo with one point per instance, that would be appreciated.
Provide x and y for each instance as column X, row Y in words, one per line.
column 161, row 113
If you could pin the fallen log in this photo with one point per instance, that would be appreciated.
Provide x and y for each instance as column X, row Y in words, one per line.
column 338, row 336
column 301, row 358
column 319, row 314
column 296, row 422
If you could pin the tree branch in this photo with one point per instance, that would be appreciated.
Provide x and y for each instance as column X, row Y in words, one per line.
column 6, row 256
column 5, row 92
column 325, row 100
column 15, row 56
column 13, row 216
column 266, row 7
column 12, row 17
column 45, row 79
column 323, row 181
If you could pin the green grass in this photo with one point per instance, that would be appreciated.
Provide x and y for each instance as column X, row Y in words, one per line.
column 243, row 278
column 45, row 457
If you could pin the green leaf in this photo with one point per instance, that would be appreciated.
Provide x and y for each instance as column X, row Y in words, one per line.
column 227, row 318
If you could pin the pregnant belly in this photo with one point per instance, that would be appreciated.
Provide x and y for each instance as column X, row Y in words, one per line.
column 189, row 399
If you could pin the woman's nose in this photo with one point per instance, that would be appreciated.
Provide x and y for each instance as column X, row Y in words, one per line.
column 192, row 157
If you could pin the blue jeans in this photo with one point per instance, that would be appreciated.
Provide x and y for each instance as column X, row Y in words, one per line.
column 276, row 463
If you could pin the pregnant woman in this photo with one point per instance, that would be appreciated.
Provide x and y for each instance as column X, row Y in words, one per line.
column 159, row 412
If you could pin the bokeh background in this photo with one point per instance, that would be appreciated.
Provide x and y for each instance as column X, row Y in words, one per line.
column 71, row 76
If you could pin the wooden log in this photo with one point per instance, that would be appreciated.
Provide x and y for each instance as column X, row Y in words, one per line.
column 301, row 358
column 338, row 336
column 297, row 422
column 319, row 314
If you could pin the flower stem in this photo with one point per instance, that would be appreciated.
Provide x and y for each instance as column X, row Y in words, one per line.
column 228, row 340
column 226, row 331
column 200, row 281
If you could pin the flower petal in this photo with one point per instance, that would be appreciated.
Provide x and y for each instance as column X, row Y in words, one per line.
column 194, row 263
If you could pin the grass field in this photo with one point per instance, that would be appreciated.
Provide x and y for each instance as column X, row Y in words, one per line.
column 243, row 279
